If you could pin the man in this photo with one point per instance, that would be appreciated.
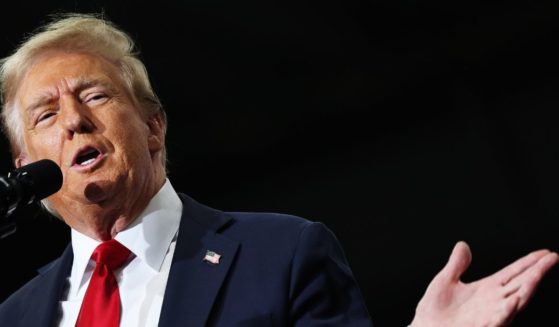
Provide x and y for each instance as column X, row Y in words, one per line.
column 76, row 94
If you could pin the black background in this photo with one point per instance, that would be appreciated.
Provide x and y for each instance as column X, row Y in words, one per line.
column 405, row 126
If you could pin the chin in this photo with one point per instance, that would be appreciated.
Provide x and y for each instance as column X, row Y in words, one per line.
column 99, row 191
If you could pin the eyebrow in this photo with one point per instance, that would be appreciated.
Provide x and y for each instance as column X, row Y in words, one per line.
column 78, row 85
column 85, row 83
column 39, row 101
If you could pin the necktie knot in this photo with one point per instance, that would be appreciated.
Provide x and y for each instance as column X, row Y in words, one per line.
column 111, row 253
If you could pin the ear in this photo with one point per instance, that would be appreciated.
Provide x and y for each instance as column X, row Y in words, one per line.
column 21, row 160
column 156, row 136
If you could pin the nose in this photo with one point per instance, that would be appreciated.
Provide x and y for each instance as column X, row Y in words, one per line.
column 75, row 116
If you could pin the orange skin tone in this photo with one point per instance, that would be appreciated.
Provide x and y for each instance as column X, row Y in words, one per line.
column 70, row 102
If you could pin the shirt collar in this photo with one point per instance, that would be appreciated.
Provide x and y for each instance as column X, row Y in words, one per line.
column 148, row 237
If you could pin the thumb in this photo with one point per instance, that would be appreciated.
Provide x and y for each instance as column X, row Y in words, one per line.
column 459, row 261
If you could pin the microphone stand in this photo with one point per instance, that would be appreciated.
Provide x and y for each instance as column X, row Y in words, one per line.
column 7, row 225
column 7, row 229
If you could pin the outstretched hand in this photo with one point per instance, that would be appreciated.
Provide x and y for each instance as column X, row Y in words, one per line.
column 489, row 302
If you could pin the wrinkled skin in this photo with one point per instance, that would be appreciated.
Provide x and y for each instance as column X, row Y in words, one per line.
column 70, row 102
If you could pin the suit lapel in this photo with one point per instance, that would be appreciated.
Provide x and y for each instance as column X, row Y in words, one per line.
column 42, row 304
column 194, row 283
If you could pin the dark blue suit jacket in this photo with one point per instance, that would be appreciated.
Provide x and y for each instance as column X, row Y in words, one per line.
column 275, row 270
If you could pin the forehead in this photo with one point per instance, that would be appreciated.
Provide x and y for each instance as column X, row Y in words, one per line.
column 56, row 71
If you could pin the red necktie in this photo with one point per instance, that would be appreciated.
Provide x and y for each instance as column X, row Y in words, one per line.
column 101, row 303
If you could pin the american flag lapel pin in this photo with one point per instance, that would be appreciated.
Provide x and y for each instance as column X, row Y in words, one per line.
column 212, row 257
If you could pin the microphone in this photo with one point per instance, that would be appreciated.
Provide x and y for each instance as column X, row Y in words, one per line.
column 28, row 184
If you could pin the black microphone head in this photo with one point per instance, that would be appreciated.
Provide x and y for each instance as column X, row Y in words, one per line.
column 42, row 179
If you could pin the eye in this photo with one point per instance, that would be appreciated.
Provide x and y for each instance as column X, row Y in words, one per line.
column 95, row 98
column 45, row 116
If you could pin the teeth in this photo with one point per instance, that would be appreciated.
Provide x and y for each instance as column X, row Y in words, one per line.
column 87, row 162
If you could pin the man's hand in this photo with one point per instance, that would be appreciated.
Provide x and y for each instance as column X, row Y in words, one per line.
column 488, row 302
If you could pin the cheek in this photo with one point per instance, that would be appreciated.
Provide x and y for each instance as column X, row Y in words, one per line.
column 45, row 145
column 131, row 139
column 131, row 142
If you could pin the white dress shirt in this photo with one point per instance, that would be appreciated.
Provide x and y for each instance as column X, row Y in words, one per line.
column 151, row 238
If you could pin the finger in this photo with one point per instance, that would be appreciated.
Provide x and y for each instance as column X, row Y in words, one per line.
column 531, row 278
column 510, row 289
column 458, row 262
column 506, row 274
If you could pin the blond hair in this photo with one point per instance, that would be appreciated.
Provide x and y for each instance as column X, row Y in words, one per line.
column 91, row 34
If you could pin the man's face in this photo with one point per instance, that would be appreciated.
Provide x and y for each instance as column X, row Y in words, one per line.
column 78, row 112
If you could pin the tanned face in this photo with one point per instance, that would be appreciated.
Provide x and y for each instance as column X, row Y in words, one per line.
column 78, row 112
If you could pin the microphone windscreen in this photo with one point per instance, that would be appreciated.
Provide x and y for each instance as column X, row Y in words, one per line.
column 42, row 178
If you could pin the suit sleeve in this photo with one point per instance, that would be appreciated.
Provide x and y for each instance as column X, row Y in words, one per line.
column 323, row 291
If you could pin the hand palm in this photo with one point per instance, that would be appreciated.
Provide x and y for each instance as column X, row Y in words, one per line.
column 489, row 302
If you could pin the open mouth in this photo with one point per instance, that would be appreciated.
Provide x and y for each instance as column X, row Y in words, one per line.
column 86, row 157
